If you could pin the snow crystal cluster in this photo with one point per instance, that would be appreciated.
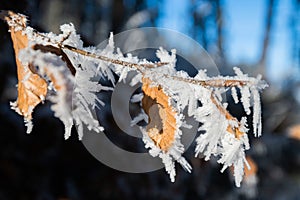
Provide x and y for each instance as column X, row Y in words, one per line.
column 77, row 95
column 73, row 97
column 216, row 140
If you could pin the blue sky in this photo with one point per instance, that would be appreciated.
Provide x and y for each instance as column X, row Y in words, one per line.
column 244, row 29
column 244, row 22
column 245, row 26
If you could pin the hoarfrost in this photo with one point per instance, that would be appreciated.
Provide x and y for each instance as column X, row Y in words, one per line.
column 234, row 95
column 223, row 135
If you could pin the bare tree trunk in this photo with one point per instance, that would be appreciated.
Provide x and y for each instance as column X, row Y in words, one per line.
column 219, row 17
column 295, row 32
column 267, row 33
column 200, row 27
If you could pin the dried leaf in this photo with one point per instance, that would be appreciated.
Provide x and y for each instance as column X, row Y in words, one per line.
column 253, row 168
column 294, row 132
column 32, row 89
column 250, row 168
column 162, row 122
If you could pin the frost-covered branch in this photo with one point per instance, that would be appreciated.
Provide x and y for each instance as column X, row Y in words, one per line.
column 57, row 67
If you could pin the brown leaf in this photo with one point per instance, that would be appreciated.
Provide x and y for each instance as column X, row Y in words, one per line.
column 294, row 132
column 31, row 87
column 162, row 124
column 248, row 172
column 253, row 168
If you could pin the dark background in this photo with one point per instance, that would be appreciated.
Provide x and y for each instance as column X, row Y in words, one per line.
column 44, row 166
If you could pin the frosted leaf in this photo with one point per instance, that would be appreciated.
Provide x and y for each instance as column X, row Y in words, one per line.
column 52, row 66
column 173, row 153
column 169, row 157
column 155, row 151
column 62, row 110
column 83, row 86
column 62, row 99
column 232, row 154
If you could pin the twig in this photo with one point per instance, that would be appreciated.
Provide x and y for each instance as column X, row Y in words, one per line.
column 139, row 67
column 211, row 82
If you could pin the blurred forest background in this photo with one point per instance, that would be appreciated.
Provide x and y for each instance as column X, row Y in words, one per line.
column 258, row 36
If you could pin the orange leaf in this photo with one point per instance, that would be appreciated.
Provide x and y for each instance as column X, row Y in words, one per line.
column 162, row 124
column 31, row 87
column 253, row 168
column 248, row 172
column 294, row 132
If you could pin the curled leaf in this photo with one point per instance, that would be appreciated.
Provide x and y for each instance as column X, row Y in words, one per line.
column 32, row 89
column 162, row 122
column 162, row 134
